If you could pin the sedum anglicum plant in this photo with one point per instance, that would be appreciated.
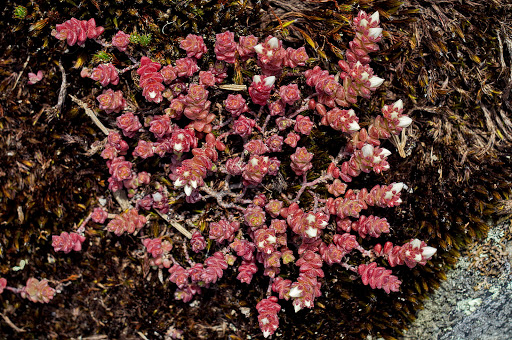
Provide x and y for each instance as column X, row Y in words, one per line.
column 206, row 140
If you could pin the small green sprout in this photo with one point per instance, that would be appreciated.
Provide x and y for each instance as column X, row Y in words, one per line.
column 102, row 56
column 20, row 12
column 141, row 39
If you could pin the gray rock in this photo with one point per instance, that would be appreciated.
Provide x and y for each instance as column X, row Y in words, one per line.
column 470, row 305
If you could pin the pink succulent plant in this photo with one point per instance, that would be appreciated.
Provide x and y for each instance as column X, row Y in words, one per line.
column 121, row 41
column 35, row 78
column 76, row 31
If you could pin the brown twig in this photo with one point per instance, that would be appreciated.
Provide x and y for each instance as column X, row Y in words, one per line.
column 21, row 72
column 176, row 225
column 119, row 195
column 11, row 324
column 91, row 114
column 122, row 200
column 63, row 89
column 400, row 142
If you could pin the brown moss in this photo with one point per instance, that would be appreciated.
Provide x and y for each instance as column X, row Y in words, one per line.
column 449, row 62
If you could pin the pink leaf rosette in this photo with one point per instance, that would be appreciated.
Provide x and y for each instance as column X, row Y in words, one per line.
column 301, row 161
column 105, row 74
column 111, row 101
column 225, row 47
column 121, row 41
column 3, row 284
column 246, row 45
column 378, row 277
column 267, row 315
column 67, row 242
column 76, row 31
column 194, row 46
column 99, row 215
column 38, row 291
column 151, row 80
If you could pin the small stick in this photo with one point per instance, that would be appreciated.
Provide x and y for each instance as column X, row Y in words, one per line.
column 233, row 87
column 122, row 200
column 176, row 225
column 142, row 335
column 129, row 68
column 119, row 195
column 21, row 72
column 301, row 109
column 63, row 89
column 265, row 124
column 91, row 114
column 219, row 195
column 10, row 323
column 81, row 228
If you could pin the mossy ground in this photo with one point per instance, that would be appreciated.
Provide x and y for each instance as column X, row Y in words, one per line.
column 449, row 62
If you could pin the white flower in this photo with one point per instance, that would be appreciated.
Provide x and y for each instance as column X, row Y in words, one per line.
column 376, row 81
column 157, row 197
column 296, row 306
column 428, row 252
column 374, row 18
column 269, row 81
column 375, row 32
column 367, row 150
column 397, row 187
column 404, row 121
column 353, row 126
column 295, row 292
column 312, row 232
column 416, row 243
column 258, row 48
column 388, row 195
column 273, row 43
column 385, row 152
column 178, row 147
column 398, row 105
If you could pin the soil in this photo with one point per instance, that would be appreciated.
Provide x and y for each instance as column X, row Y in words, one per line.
column 458, row 157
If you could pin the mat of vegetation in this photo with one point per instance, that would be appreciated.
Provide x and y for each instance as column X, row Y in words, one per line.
column 449, row 61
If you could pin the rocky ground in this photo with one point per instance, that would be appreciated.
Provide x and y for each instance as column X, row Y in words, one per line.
column 474, row 302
